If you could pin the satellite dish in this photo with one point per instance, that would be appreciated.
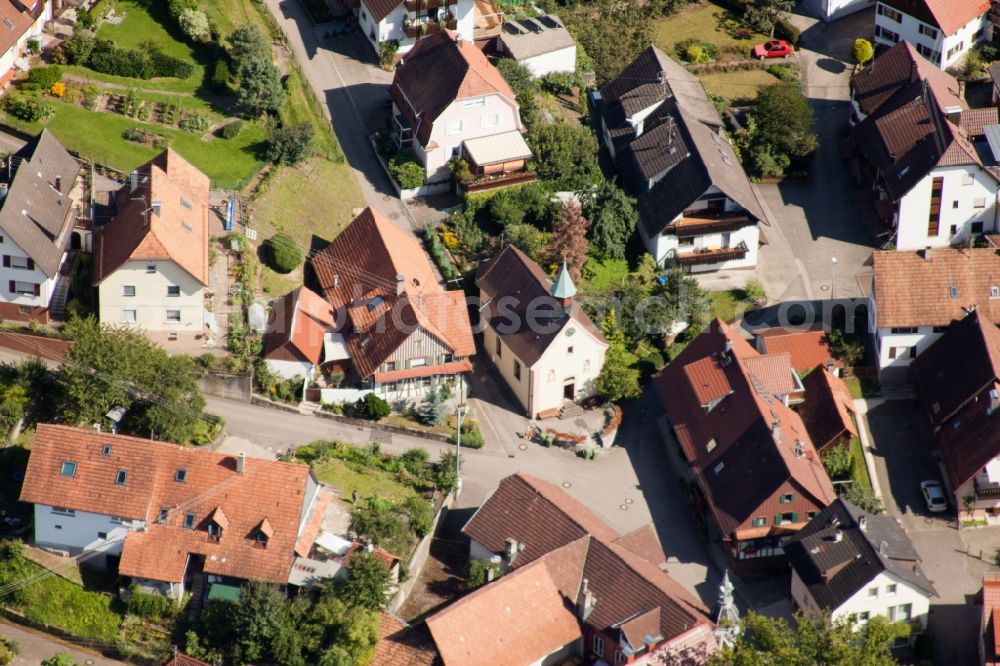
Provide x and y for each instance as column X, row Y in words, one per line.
column 257, row 317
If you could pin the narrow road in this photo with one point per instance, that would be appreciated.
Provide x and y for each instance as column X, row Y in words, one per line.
column 351, row 89
column 37, row 647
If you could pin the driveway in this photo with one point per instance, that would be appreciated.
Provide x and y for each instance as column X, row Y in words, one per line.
column 904, row 456
column 819, row 218
column 341, row 72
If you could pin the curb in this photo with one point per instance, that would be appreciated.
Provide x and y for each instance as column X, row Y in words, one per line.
column 861, row 410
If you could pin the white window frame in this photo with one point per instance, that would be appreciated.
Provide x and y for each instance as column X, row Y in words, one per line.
column 454, row 127
column 474, row 103
column 128, row 290
column 173, row 320
column 598, row 645
column 134, row 315
column 489, row 120
column 20, row 263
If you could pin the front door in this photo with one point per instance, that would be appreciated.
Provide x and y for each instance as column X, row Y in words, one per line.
column 569, row 389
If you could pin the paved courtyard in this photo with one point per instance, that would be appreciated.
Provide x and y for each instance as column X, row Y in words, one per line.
column 904, row 455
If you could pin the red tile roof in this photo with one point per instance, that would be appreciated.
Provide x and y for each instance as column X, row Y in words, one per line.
column 179, row 233
column 827, row 408
column 381, row 278
column 990, row 627
column 439, row 70
column 896, row 69
column 301, row 319
column 914, row 290
column 518, row 620
column 772, row 372
column 270, row 490
column 949, row 15
column 14, row 23
column 574, row 544
column 181, row 659
column 403, row 645
column 807, row 349
column 737, row 434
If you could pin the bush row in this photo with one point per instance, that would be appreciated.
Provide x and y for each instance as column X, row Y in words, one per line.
column 102, row 55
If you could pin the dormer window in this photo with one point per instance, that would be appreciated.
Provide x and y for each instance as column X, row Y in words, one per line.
column 180, row 475
column 217, row 522
column 261, row 539
column 263, row 533
column 214, row 530
column 106, row 451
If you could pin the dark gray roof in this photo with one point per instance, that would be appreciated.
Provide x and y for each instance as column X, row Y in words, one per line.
column 530, row 37
column 681, row 143
column 35, row 215
column 833, row 571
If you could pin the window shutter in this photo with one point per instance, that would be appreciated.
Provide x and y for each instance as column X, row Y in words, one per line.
column 10, row 287
column 777, row 519
column 31, row 264
column 38, row 290
column 6, row 261
column 795, row 517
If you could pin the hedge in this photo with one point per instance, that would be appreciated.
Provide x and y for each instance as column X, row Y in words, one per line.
column 107, row 58
column 406, row 170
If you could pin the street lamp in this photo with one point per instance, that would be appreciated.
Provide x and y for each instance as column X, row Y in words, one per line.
column 833, row 276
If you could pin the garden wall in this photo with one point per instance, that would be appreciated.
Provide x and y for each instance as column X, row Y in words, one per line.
column 232, row 387
column 420, row 554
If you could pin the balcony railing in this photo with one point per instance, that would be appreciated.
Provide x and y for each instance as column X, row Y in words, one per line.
column 423, row 5
column 500, row 180
column 987, row 491
column 712, row 256
column 418, row 29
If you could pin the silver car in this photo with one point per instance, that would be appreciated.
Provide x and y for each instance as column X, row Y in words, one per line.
column 934, row 496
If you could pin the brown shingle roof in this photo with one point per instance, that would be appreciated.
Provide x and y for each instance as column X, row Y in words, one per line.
column 513, row 279
column 973, row 121
column 301, row 319
column 888, row 80
column 827, row 409
column 34, row 214
column 913, row 290
column 358, row 273
column 267, row 489
column 379, row 9
column 749, row 460
column 401, row 644
column 439, row 70
column 949, row 15
column 179, row 233
column 954, row 376
column 575, row 544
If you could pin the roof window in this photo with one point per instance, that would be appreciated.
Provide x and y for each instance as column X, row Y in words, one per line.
column 180, row 475
column 68, row 468
column 106, row 451
column 120, row 477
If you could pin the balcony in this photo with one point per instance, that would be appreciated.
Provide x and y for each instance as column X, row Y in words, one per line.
column 712, row 255
column 986, row 490
column 698, row 222
column 418, row 29
column 416, row 6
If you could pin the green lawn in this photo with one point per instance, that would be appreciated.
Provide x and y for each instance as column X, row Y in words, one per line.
column 859, row 471
column 230, row 14
column 98, row 136
column 59, row 603
column 739, row 85
column 370, row 482
column 706, row 22
column 148, row 23
column 603, row 275
column 728, row 305
column 860, row 387
column 312, row 203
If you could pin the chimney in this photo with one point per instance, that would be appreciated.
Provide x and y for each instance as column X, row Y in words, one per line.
column 400, row 284
column 514, row 548
column 994, row 401
column 336, row 281
column 928, row 254
column 729, row 346
column 134, row 180
column 776, row 429
column 838, row 536
column 58, row 184
column 800, row 448
column 241, row 462
column 863, row 523
column 586, row 602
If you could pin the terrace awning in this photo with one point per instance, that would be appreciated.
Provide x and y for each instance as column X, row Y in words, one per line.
column 505, row 147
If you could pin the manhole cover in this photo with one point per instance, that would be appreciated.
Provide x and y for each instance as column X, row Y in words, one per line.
column 566, row 484
column 824, row 287
column 623, row 507
column 523, row 447
column 629, row 501
column 393, row 216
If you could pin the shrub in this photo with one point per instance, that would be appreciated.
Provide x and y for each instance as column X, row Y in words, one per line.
column 785, row 29
column 78, row 47
column 45, row 77
column 387, row 52
column 406, row 170
column 560, row 83
column 282, row 253
column 785, row 73
column 862, row 51
column 194, row 122
column 289, row 144
column 30, row 109
column 106, row 58
column 472, row 437
column 91, row 95
column 176, row 8
column 221, row 75
column 9, row 649
column 372, row 407
column 232, row 130
column 194, row 24
column 754, row 290
column 147, row 606
column 481, row 572
column 143, row 135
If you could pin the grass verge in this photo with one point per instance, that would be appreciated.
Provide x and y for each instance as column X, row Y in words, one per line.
column 602, row 275
column 859, row 470
column 728, row 305
column 739, row 85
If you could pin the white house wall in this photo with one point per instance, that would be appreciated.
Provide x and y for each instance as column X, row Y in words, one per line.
column 391, row 27
column 831, row 10
column 962, row 188
column 908, row 29
column 73, row 533
column 563, row 60
column 151, row 302
column 557, row 365
column 902, row 342
column 473, row 121
column 34, row 276
column 862, row 601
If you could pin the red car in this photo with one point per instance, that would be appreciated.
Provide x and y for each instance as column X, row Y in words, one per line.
column 776, row 48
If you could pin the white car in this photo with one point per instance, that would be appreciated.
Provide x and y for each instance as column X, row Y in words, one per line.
column 934, row 496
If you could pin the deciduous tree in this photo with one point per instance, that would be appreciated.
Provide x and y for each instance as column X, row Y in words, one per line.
column 565, row 155
column 613, row 217
column 568, row 241
column 367, row 584
column 618, row 379
column 862, row 51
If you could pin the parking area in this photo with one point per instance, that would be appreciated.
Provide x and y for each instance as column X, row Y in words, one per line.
column 904, row 452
